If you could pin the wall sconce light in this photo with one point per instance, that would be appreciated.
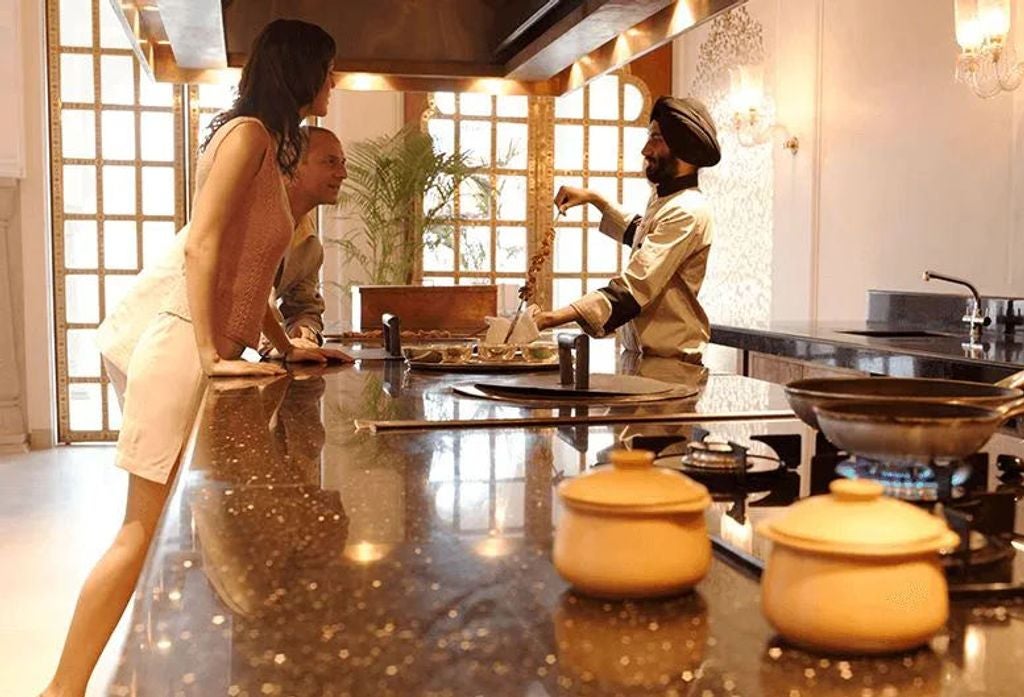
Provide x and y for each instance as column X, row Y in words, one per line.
column 753, row 115
column 987, row 61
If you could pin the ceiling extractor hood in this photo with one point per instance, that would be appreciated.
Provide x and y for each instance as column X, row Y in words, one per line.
column 546, row 47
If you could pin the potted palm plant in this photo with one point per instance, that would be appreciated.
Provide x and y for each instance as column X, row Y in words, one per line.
column 398, row 200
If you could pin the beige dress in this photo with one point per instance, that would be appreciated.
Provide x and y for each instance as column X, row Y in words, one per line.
column 148, row 344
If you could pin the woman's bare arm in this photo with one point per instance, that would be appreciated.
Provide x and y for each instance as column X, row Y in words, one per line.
column 234, row 167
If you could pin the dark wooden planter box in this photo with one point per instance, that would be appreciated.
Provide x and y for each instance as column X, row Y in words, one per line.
column 455, row 308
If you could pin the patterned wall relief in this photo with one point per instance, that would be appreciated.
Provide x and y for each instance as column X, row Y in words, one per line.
column 738, row 283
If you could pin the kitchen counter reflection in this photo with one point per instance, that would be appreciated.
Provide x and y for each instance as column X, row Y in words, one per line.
column 390, row 391
column 297, row 557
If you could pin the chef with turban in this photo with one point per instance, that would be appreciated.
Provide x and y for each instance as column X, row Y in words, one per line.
column 654, row 299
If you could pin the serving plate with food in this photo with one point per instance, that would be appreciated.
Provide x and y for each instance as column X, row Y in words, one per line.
column 483, row 357
column 438, row 335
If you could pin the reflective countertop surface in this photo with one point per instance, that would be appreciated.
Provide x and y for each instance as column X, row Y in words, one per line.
column 299, row 557
column 391, row 392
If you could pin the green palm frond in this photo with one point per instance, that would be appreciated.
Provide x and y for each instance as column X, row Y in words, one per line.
column 399, row 196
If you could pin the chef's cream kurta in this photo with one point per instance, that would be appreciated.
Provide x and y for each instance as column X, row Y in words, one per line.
column 654, row 299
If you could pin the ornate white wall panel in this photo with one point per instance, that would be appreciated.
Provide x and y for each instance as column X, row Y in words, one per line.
column 738, row 285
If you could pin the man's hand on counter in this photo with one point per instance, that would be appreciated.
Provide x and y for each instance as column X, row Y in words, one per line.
column 336, row 355
column 303, row 354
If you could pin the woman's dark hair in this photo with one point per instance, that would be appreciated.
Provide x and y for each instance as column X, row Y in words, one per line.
column 287, row 66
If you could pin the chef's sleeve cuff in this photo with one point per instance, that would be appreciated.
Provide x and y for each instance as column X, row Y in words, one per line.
column 594, row 310
column 615, row 221
column 624, row 307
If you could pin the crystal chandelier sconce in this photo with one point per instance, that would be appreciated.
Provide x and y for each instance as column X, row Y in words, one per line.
column 987, row 61
column 753, row 115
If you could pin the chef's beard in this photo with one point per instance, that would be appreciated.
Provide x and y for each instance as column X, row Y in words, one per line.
column 660, row 170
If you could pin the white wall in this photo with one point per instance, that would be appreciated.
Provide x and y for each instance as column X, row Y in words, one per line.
column 916, row 170
column 900, row 168
column 354, row 116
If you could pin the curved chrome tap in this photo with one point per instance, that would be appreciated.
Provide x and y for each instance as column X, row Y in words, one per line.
column 973, row 317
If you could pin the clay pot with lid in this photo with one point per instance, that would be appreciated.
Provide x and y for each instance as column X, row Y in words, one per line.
column 856, row 572
column 632, row 530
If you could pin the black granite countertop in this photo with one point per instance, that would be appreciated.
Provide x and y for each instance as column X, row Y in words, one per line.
column 937, row 353
column 298, row 557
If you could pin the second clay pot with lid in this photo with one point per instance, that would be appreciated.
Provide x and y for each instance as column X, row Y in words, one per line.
column 856, row 572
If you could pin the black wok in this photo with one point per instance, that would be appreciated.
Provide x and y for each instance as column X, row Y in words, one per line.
column 804, row 395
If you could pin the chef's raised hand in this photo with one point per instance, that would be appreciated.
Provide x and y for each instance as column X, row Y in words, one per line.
column 569, row 196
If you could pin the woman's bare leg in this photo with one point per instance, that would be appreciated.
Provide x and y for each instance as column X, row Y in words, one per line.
column 108, row 588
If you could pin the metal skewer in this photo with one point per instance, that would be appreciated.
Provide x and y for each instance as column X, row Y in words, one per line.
column 523, row 292
column 519, row 311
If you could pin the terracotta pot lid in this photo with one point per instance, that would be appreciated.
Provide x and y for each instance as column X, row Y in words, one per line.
column 854, row 518
column 633, row 484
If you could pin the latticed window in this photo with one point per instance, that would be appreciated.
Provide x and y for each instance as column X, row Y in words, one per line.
column 590, row 138
column 489, row 239
column 599, row 132
column 116, row 138
column 122, row 146
column 205, row 102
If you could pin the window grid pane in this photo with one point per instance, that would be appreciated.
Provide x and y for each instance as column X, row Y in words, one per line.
column 596, row 130
column 485, row 240
column 592, row 133
column 105, row 109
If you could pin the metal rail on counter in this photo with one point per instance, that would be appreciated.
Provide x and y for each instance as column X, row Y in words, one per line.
column 374, row 427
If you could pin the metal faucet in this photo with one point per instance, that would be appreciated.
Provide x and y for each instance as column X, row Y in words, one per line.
column 974, row 317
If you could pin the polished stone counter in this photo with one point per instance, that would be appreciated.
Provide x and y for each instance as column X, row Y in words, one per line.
column 942, row 356
column 299, row 557
column 392, row 392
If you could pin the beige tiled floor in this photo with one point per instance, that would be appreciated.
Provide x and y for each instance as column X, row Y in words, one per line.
column 58, row 511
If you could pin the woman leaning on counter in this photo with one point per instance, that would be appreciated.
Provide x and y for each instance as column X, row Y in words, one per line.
column 190, row 317
column 654, row 299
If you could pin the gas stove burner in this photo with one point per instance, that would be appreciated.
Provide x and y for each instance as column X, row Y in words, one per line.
column 910, row 481
column 710, row 454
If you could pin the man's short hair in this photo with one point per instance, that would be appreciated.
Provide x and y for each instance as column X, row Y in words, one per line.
column 308, row 130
